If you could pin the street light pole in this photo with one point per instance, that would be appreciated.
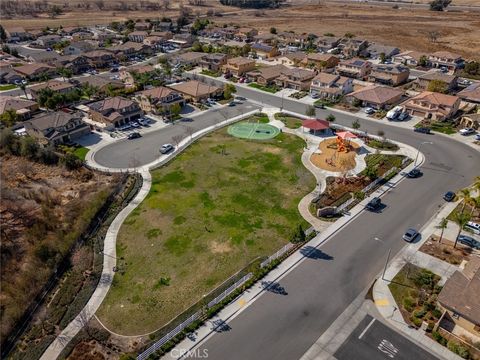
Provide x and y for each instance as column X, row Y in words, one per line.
column 386, row 263
column 418, row 151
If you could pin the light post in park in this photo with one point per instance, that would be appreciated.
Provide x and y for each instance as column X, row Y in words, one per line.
column 418, row 151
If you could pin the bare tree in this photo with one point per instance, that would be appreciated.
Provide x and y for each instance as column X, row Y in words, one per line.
column 433, row 36
column 189, row 131
column 176, row 139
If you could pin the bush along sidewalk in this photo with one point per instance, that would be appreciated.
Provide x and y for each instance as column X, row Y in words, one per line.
column 257, row 274
column 74, row 288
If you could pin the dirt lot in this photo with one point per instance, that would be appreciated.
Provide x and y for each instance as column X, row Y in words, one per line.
column 445, row 250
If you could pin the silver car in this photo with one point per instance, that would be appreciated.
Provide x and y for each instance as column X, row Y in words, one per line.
column 410, row 235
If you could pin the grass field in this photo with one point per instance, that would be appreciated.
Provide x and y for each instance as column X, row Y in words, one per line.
column 7, row 87
column 218, row 206
column 81, row 152
column 289, row 121
column 270, row 89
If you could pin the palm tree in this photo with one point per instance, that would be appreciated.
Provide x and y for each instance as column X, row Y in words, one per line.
column 443, row 225
column 466, row 196
column 461, row 219
column 24, row 89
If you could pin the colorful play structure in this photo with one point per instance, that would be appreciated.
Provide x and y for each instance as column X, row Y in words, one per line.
column 342, row 145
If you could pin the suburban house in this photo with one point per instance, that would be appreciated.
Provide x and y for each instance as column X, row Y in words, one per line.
column 377, row 97
column 182, row 40
column 9, row 76
column 460, row 302
column 423, row 81
column 292, row 58
column 213, row 62
column 238, row 66
column 446, row 59
column 470, row 121
column 245, row 34
column 298, row 79
column 47, row 41
column 264, row 51
column 330, row 86
column 409, row 58
column 80, row 47
column 100, row 59
column 325, row 43
column 154, row 41
column 101, row 83
column 354, row 68
column 391, row 75
column 352, row 47
column 82, row 35
column 57, row 127
column 43, row 57
column 190, row 58
column 24, row 108
column 114, row 111
column 266, row 75
column 128, row 74
column 265, row 38
column 431, row 105
column 17, row 34
column 77, row 63
column 159, row 99
column 130, row 48
column 142, row 25
column 197, row 91
column 137, row 36
column 35, row 71
column 56, row 86
column 375, row 51
column 471, row 93
column 320, row 61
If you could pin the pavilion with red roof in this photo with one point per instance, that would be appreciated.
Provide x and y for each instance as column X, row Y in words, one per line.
column 316, row 126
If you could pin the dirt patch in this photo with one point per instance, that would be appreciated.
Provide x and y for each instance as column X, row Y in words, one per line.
column 445, row 250
column 333, row 160
column 220, row 248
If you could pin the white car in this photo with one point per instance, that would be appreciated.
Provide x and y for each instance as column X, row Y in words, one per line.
column 477, row 137
column 144, row 121
column 473, row 227
column 166, row 148
column 369, row 110
column 134, row 124
column 466, row 131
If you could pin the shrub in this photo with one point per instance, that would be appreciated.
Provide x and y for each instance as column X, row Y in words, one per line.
column 72, row 162
column 416, row 321
column 458, row 349
column 408, row 304
column 420, row 313
column 298, row 235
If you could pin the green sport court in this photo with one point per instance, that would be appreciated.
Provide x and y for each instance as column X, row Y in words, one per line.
column 253, row 130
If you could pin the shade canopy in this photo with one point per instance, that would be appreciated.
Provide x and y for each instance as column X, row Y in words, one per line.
column 345, row 135
column 316, row 124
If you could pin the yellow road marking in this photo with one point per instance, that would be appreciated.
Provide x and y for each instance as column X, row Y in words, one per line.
column 242, row 302
column 382, row 302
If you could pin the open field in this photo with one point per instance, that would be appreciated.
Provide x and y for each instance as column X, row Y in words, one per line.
column 221, row 204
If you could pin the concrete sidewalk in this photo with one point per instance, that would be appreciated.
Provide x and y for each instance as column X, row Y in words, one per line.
column 384, row 300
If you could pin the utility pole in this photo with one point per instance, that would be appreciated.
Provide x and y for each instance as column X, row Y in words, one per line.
column 418, row 151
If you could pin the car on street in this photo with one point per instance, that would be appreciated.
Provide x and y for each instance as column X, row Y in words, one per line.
column 369, row 111
column 374, row 204
column 232, row 103
column 477, row 137
column 166, row 148
column 410, row 235
column 134, row 135
column 319, row 106
column 449, row 196
column 423, row 130
column 240, row 98
column 469, row 241
column 473, row 227
column 466, row 131
column 414, row 173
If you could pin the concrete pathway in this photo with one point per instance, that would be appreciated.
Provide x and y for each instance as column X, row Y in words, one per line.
column 383, row 298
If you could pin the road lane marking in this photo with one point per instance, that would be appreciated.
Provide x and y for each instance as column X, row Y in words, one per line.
column 387, row 348
column 366, row 329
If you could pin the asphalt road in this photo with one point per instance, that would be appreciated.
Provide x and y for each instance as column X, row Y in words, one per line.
column 372, row 340
column 319, row 290
column 134, row 153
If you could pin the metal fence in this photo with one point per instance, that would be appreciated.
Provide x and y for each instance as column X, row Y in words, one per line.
column 279, row 253
column 157, row 345
column 232, row 288
column 374, row 183
column 347, row 203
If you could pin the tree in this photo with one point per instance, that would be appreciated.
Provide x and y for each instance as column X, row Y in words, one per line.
column 23, row 87
column 439, row 5
column 54, row 11
column 273, row 30
column 3, row 34
column 461, row 219
column 330, row 118
column 175, row 110
column 423, row 61
column 383, row 58
column 71, row 161
column 65, row 73
column 356, row 124
column 228, row 90
column 9, row 117
column 442, row 225
column 310, row 111
column 28, row 147
column 438, row 86
column 371, row 172
column 466, row 195
column 472, row 68
column 298, row 235
column 349, row 35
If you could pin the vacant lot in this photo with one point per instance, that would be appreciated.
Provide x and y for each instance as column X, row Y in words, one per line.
column 218, row 206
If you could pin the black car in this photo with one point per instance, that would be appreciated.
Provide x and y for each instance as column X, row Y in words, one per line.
column 374, row 204
column 424, row 130
column 414, row 173
column 469, row 241
column 134, row 135
column 449, row 196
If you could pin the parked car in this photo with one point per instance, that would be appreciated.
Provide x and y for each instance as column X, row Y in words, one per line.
column 424, row 130
column 469, row 241
column 125, row 127
column 466, row 131
column 114, row 69
column 166, row 148
column 240, row 98
column 473, row 226
column 414, row 173
column 134, row 135
column 144, row 121
column 369, row 111
column 449, row 196
column 410, row 235
column 394, row 113
column 403, row 116
column 134, row 124
column 477, row 137
column 319, row 106
column 374, row 204
column 231, row 103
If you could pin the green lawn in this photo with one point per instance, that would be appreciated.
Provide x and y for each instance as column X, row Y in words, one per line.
column 81, row 152
column 221, row 204
column 7, row 87
column 289, row 121
column 270, row 89
column 210, row 73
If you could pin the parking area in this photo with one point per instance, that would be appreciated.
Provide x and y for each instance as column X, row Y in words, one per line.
column 372, row 340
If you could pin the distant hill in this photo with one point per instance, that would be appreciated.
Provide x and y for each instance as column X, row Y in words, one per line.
column 253, row 4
